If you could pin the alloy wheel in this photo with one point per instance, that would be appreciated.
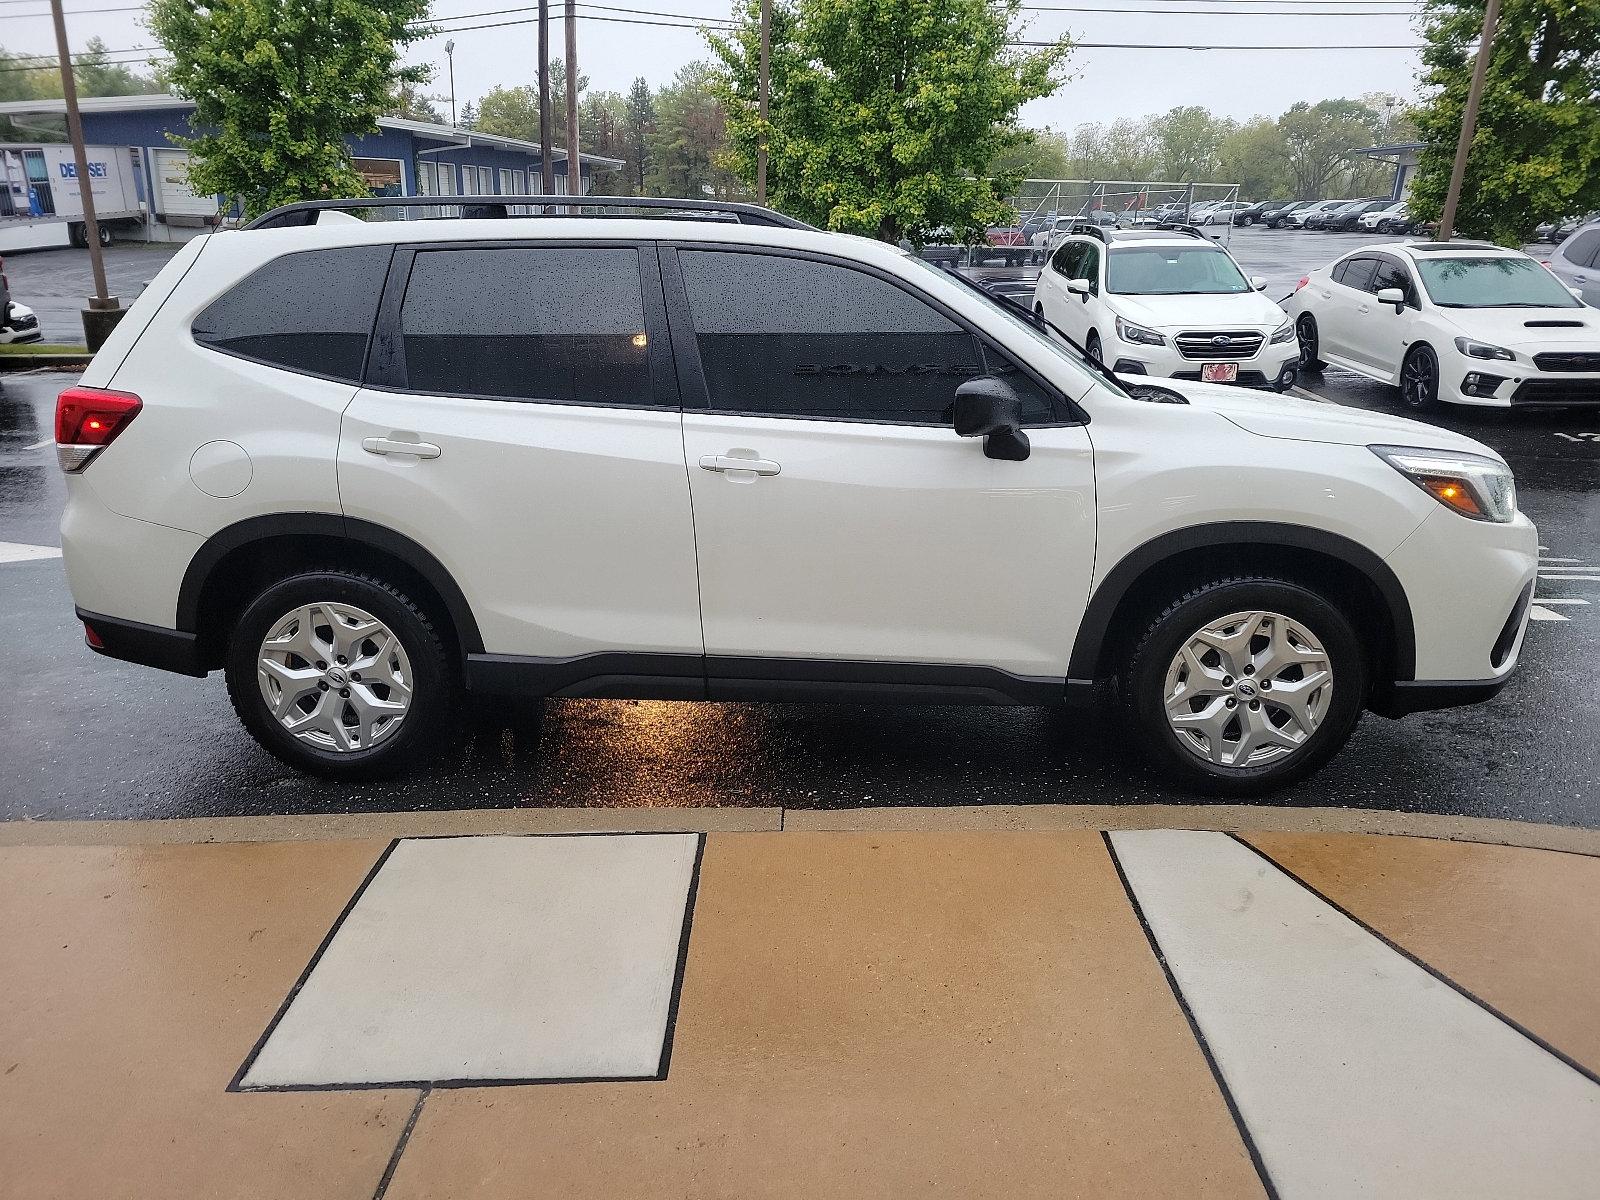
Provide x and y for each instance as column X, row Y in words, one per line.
column 335, row 676
column 1419, row 378
column 1248, row 689
column 1306, row 331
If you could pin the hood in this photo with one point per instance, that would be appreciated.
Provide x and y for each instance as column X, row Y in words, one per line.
column 1530, row 329
column 1268, row 414
column 1242, row 309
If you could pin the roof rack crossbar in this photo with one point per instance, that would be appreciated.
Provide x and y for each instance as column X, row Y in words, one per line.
column 304, row 212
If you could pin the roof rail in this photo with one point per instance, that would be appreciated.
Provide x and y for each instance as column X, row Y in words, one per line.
column 1179, row 227
column 1453, row 245
column 1090, row 229
column 304, row 212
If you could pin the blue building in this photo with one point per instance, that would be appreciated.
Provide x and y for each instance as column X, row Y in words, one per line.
column 403, row 158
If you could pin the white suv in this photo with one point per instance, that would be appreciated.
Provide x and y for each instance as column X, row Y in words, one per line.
column 1167, row 302
column 1464, row 322
column 372, row 470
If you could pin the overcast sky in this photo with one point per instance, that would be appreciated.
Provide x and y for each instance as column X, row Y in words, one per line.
column 1108, row 83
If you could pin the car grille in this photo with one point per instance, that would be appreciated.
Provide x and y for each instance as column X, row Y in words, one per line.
column 1558, row 391
column 1579, row 360
column 26, row 323
column 1199, row 344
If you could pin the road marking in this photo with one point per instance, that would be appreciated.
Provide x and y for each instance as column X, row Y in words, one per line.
column 1540, row 613
column 492, row 959
column 1559, row 600
column 41, row 444
column 1306, row 394
column 1569, row 578
column 1547, row 559
column 1357, row 1071
column 23, row 552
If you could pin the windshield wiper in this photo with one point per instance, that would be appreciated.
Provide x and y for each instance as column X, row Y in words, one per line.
column 1037, row 320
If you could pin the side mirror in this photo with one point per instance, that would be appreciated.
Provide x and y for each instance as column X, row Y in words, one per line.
column 988, row 408
column 1080, row 286
column 1258, row 282
column 1392, row 296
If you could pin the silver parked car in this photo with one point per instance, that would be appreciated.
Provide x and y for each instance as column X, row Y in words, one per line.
column 1576, row 262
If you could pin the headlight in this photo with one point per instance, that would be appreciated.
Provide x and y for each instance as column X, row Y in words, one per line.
column 1474, row 486
column 1474, row 349
column 1138, row 334
column 1283, row 333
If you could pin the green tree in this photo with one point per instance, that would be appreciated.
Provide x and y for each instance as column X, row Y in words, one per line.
column 1535, row 153
column 1188, row 142
column 410, row 104
column 1318, row 139
column 96, row 75
column 279, row 84
column 514, row 112
column 688, row 145
column 602, row 128
column 1253, row 157
column 885, row 115
column 468, row 118
column 1036, row 154
column 638, row 128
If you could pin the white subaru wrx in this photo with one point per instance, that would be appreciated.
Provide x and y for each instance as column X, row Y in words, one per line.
column 372, row 470
column 1463, row 322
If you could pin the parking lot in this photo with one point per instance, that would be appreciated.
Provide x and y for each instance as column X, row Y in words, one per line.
column 85, row 737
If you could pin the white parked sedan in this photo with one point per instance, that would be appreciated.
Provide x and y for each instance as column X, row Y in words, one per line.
column 1464, row 322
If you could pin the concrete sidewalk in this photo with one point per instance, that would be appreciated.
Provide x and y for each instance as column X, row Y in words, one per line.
column 878, row 1012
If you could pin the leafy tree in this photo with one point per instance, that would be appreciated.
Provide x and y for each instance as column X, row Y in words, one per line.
column 410, row 104
column 1535, row 154
column 1253, row 157
column 279, row 84
column 95, row 75
column 602, row 122
column 1318, row 139
column 469, row 116
column 688, row 145
column 885, row 115
column 639, row 126
column 1188, row 141
column 514, row 112
column 1037, row 154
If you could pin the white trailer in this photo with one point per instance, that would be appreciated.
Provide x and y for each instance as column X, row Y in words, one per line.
column 40, row 204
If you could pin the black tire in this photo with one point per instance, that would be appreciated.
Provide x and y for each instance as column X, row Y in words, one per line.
column 105, row 233
column 1419, row 379
column 1305, row 329
column 78, row 235
column 432, row 724
column 1093, row 348
column 1142, row 682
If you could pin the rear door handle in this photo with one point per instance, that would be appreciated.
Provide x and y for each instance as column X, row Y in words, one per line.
column 383, row 445
column 724, row 462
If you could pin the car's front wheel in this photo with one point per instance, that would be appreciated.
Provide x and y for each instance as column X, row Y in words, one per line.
column 1243, row 685
column 343, row 675
column 1419, row 379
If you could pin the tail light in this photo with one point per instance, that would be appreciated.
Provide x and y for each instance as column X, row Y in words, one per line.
column 87, row 421
column 1304, row 279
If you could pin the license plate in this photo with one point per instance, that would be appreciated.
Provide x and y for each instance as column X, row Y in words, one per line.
column 1219, row 373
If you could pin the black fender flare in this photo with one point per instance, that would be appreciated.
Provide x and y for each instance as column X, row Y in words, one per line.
column 329, row 525
column 1119, row 581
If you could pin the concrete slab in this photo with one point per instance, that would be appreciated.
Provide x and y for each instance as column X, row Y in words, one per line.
column 1357, row 1072
column 972, row 1015
column 494, row 958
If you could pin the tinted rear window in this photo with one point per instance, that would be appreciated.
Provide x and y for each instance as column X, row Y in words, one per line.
column 310, row 312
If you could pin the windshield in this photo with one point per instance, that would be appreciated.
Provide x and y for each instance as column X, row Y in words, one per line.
column 1015, row 315
column 1172, row 271
column 1492, row 283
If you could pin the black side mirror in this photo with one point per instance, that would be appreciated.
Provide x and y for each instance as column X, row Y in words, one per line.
column 990, row 409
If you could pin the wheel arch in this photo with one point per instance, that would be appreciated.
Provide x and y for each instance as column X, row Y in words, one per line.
column 236, row 562
column 1145, row 578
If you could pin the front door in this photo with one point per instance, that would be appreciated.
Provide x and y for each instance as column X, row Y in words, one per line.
column 520, row 422
column 838, row 517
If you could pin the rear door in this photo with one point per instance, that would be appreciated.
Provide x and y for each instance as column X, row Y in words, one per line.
column 1339, row 317
column 520, row 421
column 1577, row 262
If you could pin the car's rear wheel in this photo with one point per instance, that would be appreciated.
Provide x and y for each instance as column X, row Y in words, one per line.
column 1306, row 331
column 1419, row 379
column 1243, row 685
column 343, row 675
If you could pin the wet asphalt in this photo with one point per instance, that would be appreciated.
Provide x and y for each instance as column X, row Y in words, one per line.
column 88, row 738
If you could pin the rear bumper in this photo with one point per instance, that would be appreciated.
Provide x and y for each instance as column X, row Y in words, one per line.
column 1410, row 696
column 147, row 645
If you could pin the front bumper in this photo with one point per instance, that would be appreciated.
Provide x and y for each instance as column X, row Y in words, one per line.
column 1497, row 383
column 1266, row 368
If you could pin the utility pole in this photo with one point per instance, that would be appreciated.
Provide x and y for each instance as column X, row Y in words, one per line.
column 547, row 163
column 574, row 159
column 761, row 150
column 1469, row 121
column 103, row 313
column 450, row 57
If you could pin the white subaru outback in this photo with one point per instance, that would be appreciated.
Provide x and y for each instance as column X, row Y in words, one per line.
column 370, row 470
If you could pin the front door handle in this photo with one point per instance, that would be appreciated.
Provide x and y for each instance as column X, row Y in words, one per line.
column 724, row 462
column 1366, row 308
column 383, row 445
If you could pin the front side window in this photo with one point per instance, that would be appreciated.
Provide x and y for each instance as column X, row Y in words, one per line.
column 1497, row 282
column 310, row 312
column 1066, row 260
column 557, row 324
column 1090, row 267
column 1390, row 274
column 794, row 337
column 1135, row 270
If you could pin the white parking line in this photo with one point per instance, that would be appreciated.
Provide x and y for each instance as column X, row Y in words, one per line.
column 1559, row 600
column 1549, row 578
column 41, row 444
column 1305, row 394
column 22, row 552
column 1540, row 613
column 1356, row 1070
column 492, row 959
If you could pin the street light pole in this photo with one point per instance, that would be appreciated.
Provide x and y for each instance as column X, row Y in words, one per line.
column 1469, row 121
column 450, row 57
column 574, row 160
column 103, row 313
column 547, row 165
column 761, row 149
